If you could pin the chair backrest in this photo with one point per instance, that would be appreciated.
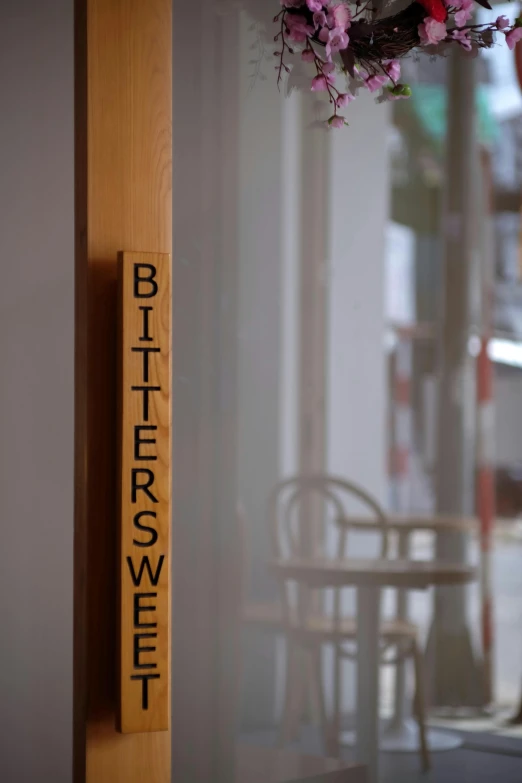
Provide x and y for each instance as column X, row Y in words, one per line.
column 322, row 502
column 376, row 522
column 322, row 494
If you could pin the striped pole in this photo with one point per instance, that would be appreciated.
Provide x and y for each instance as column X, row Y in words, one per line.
column 485, row 476
column 486, row 502
column 401, row 441
column 401, row 414
column 400, row 458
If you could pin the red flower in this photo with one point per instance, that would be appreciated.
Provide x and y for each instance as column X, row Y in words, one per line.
column 435, row 8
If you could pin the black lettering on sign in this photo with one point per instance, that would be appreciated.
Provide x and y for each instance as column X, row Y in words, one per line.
column 145, row 391
column 139, row 609
column 139, row 441
column 139, row 650
column 144, row 487
column 146, row 338
column 145, row 565
column 144, row 450
column 146, row 281
column 145, row 528
column 145, row 687
column 146, row 352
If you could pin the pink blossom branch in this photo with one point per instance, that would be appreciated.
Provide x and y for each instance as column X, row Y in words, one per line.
column 376, row 45
column 284, row 45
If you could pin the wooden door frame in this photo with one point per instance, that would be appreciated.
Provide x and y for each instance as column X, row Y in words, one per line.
column 123, row 174
column 123, row 99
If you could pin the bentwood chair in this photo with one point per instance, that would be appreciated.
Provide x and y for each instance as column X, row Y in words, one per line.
column 309, row 516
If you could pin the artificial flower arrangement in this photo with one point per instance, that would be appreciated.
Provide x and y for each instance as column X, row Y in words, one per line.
column 344, row 37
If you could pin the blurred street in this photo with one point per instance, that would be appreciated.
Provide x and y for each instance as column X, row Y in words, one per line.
column 507, row 586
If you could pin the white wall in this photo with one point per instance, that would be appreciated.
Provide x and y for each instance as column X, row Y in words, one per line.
column 36, row 389
column 356, row 395
column 358, row 218
column 290, row 285
column 508, row 419
column 267, row 254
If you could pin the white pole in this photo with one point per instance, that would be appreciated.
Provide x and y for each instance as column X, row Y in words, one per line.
column 455, row 677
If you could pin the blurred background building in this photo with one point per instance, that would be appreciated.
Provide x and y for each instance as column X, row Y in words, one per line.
column 355, row 220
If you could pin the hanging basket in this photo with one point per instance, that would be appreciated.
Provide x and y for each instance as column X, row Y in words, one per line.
column 343, row 38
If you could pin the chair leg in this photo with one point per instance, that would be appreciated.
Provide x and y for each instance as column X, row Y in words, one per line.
column 316, row 659
column 313, row 701
column 334, row 728
column 294, row 693
column 420, row 706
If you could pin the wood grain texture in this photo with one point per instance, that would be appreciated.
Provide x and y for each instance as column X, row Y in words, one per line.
column 144, row 455
column 123, row 179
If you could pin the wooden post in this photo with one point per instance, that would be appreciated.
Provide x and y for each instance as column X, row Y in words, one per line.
column 123, row 96
column 456, row 674
column 312, row 316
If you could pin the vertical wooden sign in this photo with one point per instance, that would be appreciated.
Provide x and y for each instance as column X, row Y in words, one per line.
column 144, row 452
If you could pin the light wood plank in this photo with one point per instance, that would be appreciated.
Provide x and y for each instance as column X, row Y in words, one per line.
column 123, row 102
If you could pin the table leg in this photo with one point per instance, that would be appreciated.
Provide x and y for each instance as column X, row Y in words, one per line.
column 368, row 619
column 399, row 730
column 402, row 733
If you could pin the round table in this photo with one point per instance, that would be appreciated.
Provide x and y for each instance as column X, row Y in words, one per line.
column 401, row 733
column 410, row 523
column 369, row 576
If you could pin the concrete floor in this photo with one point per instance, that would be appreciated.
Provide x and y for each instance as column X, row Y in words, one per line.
column 479, row 761
column 491, row 752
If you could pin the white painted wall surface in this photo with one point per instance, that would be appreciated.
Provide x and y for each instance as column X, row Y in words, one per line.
column 508, row 419
column 36, row 390
column 358, row 218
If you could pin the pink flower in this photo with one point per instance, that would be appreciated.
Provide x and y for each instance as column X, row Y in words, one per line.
column 339, row 16
column 308, row 56
column 344, row 99
column 462, row 37
column 315, row 5
column 465, row 12
column 291, row 3
column 319, row 19
column 431, row 31
column 335, row 40
column 376, row 82
column 360, row 72
column 513, row 37
column 395, row 96
column 328, row 68
column 324, row 35
column 337, row 121
column 338, row 41
column 502, row 22
column 298, row 29
column 393, row 69
column 464, row 9
column 320, row 83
